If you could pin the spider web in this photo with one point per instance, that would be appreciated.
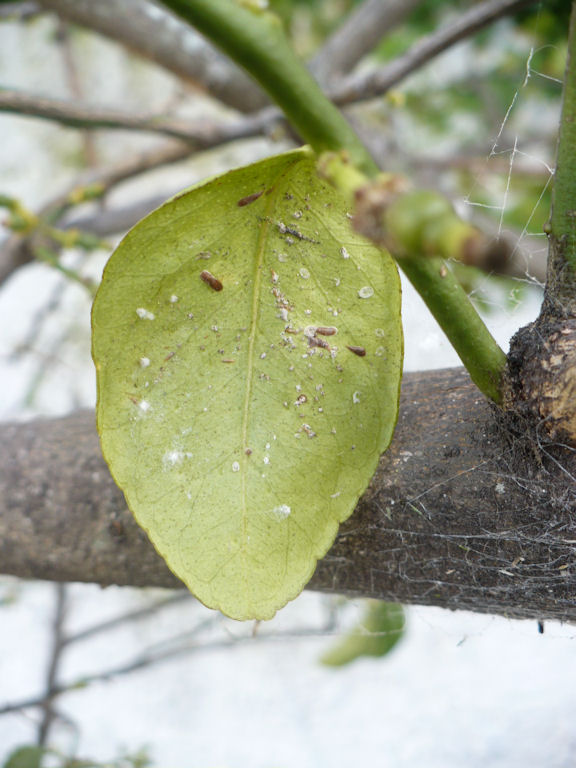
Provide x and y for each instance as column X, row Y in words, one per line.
column 509, row 144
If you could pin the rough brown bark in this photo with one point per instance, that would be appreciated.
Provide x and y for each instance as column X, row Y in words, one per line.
column 541, row 384
column 467, row 510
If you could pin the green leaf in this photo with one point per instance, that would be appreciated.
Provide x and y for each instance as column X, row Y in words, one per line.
column 26, row 757
column 241, row 432
column 380, row 629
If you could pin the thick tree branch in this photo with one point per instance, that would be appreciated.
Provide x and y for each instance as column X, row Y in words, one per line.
column 154, row 33
column 460, row 513
column 372, row 84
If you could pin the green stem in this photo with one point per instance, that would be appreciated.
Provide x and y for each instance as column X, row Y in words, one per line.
column 417, row 224
column 49, row 257
column 255, row 40
column 448, row 302
column 561, row 280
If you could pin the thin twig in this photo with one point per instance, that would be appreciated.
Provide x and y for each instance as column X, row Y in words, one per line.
column 49, row 713
column 39, row 317
column 108, row 177
column 373, row 84
column 112, row 221
column 18, row 251
column 136, row 615
column 49, row 361
column 362, row 30
column 207, row 135
column 74, row 84
column 149, row 658
column 77, row 115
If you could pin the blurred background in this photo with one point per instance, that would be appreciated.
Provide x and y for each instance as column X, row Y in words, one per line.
column 125, row 677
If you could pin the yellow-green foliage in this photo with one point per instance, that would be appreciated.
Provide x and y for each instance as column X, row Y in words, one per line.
column 243, row 424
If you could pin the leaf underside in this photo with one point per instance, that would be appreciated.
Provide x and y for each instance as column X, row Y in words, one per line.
column 248, row 348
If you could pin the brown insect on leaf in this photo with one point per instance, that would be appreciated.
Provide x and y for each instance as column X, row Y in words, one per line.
column 249, row 199
column 360, row 351
column 210, row 280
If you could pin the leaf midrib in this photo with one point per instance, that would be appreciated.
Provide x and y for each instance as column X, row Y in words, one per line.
column 256, row 306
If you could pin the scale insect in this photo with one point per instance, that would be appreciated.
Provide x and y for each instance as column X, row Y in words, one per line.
column 360, row 351
column 249, row 199
column 210, row 280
